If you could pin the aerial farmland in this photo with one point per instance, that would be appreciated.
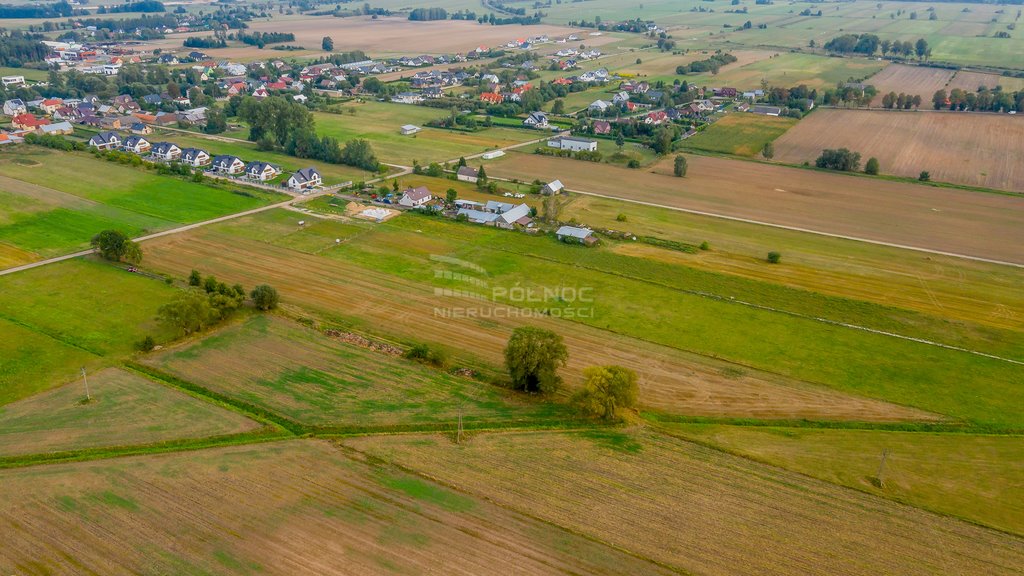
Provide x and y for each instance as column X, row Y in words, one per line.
column 497, row 287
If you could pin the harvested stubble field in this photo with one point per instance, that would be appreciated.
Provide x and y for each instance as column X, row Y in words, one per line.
column 972, row 477
column 671, row 380
column 956, row 221
column 126, row 409
column 320, row 381
column 740, row 134
column 973, row 149
column 787, row 69
column 914, row 80
column 299, row 507
column 398, row 35
column 700, row 511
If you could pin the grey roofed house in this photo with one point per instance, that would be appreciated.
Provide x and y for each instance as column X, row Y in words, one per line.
column 553, row 187
column 133, row 141
column 478, row 217
column 105, row 139
column 58, row 128
column 515, row 214
column 536, row 119
column 468, row 171
column 767, row 110
column 574, row 232
column 190, row 155
column 152, row 99
column 225, row 162
column 498, row 207
column 304, row 176
column 162, row 148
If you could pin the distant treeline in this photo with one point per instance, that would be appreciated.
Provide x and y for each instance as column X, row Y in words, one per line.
column 424, row 14
column 143, row 6
column 204, row 42
column 17, row 48
column 343, row 58
column 56, row 10
column 712, row 64
column 261, row 39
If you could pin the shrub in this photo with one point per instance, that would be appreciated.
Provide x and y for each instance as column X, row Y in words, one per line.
column 146, row 344
column 871, row 167
column 427, row 355
column 774, row 257
column 925, row 176
column 264, row 297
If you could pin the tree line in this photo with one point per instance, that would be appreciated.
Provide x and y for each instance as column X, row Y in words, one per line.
column 712, row 64
column 983, row 100
column 261, row 39
column 869, row 44
column 143, row 6
column 18, row 48
column 60, row 9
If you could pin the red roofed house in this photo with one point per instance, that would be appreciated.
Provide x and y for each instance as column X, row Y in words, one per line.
column 50, row 105
column 28, row 122
column 492, row 98
column 562, row 81
column 602, row 127
column 656, row 117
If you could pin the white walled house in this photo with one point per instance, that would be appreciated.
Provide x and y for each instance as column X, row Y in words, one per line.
column 165, row 151
column 414, row 197
column 305, row 179
column 573, row 143
column 195, row 157
column 230, row 165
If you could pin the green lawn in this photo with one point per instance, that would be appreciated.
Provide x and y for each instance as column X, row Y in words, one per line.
column 58, row 318
column 379, row 122
column 973, row 477
column 54, row 202
column 30, row 74
column 125, row 409
column 319, row 381
column 739, row 133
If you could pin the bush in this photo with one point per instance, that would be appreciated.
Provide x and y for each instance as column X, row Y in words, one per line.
column 146, row 344
column 427, row 355
column 620, row 218
column 774, row 257
column 871, row 167
column 264, row 297
column 608, row 391
column 841, row 159
column 925, row 176
column 705, row 246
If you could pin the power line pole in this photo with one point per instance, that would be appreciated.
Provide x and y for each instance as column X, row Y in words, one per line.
column 881, row 467
column 88, row 398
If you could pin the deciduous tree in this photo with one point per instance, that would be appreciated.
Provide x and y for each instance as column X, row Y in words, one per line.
column 533, row 357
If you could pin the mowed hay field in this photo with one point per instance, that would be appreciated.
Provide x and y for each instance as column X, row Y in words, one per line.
column 321, row 381
column 671, row 380
column 973, row 149
column 955, row 221
column 973, row 477
column 126, row 409
column 700, row 511
column 740, row 134
column 298, row 507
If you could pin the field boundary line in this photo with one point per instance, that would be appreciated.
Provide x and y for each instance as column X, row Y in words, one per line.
column 793, row 228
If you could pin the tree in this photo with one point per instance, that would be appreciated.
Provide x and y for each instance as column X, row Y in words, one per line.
column 924, row 176
column 462, row 161
column 451, row 195
column 195, row 278
column 358, row 153
column 533, row 356
column 679, row 167
column 264, row 297
column 921, row 48
column 768, row 151
column 620, row 141
column 841, row 159
column 327, row 44
column 190, row 312
column 481, row 178
column 940, row 99
column 114, row 245
column 552, row 208
column 558, row 107
column 871, row 167
column 606, row 391
column 216, row 122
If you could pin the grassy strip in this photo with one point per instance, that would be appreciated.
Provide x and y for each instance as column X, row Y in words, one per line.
column 263, row 435
column 969, row 428
column 250, row 410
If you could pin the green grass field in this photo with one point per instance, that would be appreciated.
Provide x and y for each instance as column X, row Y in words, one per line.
column 126, row 409
column 58, row 318
column 30, row 74
column 973, row 477
column 379, row 123
column 739, row 133
column 55, row 202
column 318, row 381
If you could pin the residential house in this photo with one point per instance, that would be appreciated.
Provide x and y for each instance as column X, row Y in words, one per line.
column 28, row 122
column 125, row 104
column 305, row 179
column 553, row 187
column 195, row 157
column 105, row 141
column 492, row 98
column 136, row 145
column 9, row 81
column 230, row 165
column 467, row 174
column 260, row 93
column 600, row 106
column 602, row 127
column 300, row 98
column 620, row 98
column 261, row 171
column 517, row 215
column 50, row 105
column 59, row 128
column 409, row 129
column 408, row 98
column 656, row 117
column 415, row 197
column 726, row 92
column 741, row 107
column 15, row 106
column 536, row 120
column 575, row 234
column 165, row 151
column 573, row 143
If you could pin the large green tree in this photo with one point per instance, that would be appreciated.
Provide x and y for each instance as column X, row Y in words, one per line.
column 190, row 312
column 607, row 391
column 116, row 246
column 533, row 357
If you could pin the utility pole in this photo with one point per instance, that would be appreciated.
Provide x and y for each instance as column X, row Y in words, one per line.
column 881, row 467
column 88, row 398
